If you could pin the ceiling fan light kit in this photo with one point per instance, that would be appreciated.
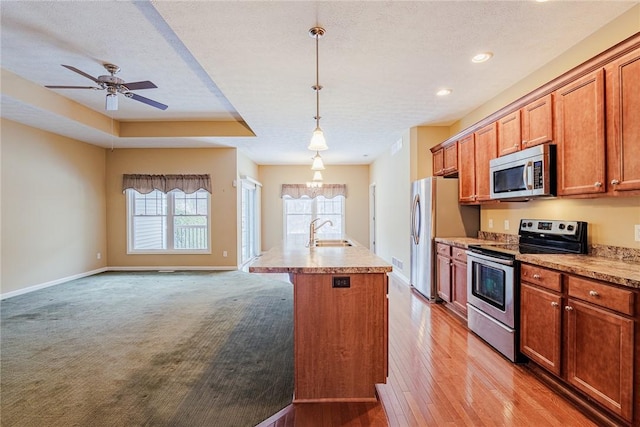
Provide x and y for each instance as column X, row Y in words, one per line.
column 114, row 85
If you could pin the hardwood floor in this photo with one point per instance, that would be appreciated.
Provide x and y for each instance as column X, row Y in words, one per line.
column 441, row 374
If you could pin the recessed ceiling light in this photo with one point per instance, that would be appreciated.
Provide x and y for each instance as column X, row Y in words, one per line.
column 444, row 92
column 482, row 57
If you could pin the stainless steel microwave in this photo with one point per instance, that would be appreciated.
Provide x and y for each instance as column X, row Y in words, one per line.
column 524, row 174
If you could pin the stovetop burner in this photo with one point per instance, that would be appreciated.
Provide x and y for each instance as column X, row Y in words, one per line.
column 541, row 237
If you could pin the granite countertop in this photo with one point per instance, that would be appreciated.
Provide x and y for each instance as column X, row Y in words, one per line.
column 612, row 270
column 292, row 256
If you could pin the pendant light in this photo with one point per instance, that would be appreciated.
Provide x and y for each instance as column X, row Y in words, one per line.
column 318, row 164
column 318, row 143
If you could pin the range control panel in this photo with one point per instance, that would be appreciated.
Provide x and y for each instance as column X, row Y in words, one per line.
column 556, row 227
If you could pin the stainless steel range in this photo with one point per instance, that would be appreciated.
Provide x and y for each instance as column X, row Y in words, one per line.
column 493, row 278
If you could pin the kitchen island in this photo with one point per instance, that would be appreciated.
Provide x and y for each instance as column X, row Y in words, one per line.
column 340, row 318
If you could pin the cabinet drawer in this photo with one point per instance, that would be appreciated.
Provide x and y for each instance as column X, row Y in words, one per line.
column 541, row 276
column 443, row 249
column 459, row 254
column 602, row 294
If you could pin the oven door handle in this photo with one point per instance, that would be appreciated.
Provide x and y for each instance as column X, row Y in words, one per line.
column 489, row 258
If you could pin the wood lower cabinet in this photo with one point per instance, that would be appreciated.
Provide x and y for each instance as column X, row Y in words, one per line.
column 623, row 124
column 583, row 332
column 600, row 356
column 580, row 136
column 451, row 277
column 340, row 336
column 541, row 326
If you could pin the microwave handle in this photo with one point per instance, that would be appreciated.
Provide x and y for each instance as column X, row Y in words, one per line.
column 527, row 175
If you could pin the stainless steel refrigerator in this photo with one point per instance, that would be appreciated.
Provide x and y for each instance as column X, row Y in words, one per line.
column 435, row 212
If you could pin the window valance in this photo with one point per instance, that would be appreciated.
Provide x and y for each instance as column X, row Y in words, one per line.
column 329, row 191
column 147, row 183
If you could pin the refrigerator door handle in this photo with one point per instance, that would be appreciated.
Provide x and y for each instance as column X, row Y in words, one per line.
column 416, row 221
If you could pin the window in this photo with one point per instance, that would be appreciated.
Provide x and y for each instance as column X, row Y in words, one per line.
column 298, row 213
column 249, row 220
column 175, row 222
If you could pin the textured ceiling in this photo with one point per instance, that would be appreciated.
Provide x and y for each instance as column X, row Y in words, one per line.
column 253, row 62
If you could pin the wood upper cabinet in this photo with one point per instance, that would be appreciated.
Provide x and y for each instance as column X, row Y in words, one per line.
column 580, row 135
column 600, row 356
column 509, row 133
column 467, row 169
column 623, row 123
column 541, row 326
column 438, row 162
column 537, row 122
column 486, row 148
column 451, row 158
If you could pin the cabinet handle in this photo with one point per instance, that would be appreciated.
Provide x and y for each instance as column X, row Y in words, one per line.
column 615, row 182
column 593, row 293
column 554, row 304
column 597, row 184
column 568, row 307
column 536, row 276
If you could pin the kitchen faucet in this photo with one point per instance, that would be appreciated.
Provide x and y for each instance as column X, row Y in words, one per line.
column 313, row 229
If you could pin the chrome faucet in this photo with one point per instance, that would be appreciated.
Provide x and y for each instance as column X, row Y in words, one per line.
column 313, row 229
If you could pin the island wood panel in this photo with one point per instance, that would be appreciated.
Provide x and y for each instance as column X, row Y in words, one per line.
column 340, row 337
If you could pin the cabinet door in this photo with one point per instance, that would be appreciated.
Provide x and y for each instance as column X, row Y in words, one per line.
column 443, row 278
column 540, row 326
column 623, row 122
column 451, row 158
column 580, row 135
column 600, row 356
column 486, row 149
column 509, row 134
column 467, row 169
column 537, row 122
column 438, row 162
column 459, row 285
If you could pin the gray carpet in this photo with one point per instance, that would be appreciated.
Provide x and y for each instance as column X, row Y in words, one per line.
column 148, row 349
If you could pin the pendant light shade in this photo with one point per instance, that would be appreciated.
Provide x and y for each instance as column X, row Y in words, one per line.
column 317, row 176
column 318, row 143
column 318, row 164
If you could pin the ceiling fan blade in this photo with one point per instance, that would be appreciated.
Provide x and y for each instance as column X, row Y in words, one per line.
column 72, row 87
column 146, row 101
column 82, row 73
column 140, row 85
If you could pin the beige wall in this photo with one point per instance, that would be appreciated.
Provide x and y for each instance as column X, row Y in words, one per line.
column 356, row 178
column 220, row 163
column 53, row 207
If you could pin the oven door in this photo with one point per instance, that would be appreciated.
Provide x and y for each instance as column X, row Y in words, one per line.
column 490, row 283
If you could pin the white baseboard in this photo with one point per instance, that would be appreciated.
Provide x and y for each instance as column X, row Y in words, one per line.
column 103, row 269
column 400, row 277
column 165, row 268
column 51, row 283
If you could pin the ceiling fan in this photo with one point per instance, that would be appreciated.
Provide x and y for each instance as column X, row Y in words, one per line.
column 114, row 85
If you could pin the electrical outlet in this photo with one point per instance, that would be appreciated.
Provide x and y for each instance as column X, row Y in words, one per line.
column 224, row 253
column 637, row 234
column 506, row 224
column 490, row 223
column 98, row 255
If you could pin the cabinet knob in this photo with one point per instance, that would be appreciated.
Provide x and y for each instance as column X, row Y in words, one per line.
column 615, row 182
column 524, row 142
column 536, row 276
column 594, row 293
column 568, row 307
column 597, row 184
column 554, row 304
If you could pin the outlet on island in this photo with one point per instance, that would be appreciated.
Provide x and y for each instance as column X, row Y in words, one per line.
column 341, row 282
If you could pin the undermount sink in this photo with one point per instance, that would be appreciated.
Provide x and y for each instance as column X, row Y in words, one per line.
column 332, row 242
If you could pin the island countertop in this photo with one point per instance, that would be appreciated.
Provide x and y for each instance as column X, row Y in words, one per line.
column 292, row 256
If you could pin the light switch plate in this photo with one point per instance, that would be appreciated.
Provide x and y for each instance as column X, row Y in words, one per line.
column 637, row 232
column 490, row 223
column 506, row 224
